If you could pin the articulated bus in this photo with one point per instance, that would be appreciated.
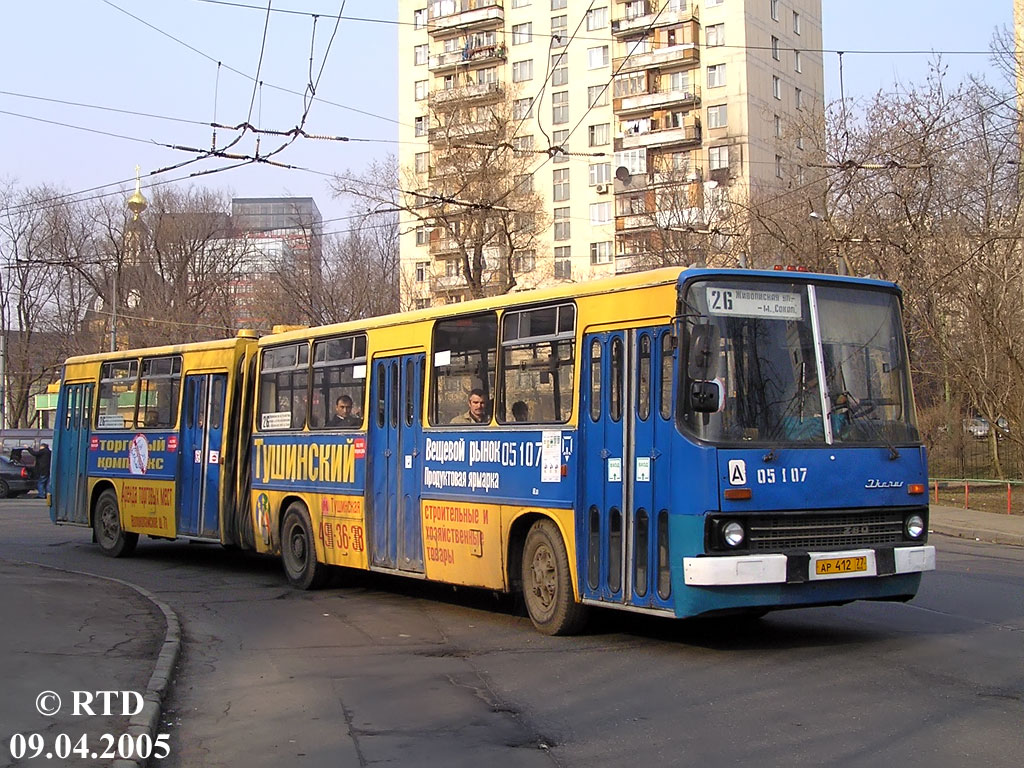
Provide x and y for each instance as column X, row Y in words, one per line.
column 675, row 442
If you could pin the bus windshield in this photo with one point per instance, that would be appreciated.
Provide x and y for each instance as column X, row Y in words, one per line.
column 757, row 352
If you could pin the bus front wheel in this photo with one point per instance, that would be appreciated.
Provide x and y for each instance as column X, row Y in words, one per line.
column 547, row 582
column 106, row 525
column 298, row 550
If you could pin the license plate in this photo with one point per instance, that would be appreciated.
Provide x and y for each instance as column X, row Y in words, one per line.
column 835, row 566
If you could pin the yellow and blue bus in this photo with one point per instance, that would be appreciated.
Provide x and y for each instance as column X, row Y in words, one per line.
column 675, row 442
column 146, row 442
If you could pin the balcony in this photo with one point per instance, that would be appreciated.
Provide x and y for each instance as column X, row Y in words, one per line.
column 440, row 62
column 478, row 92
column 651, row 19
column 644, row 102
column 467, row 14
column 686, row 53
column 446, row 134
column 685, row 134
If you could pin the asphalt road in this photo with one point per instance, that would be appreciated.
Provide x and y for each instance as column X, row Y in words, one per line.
column 379, row 669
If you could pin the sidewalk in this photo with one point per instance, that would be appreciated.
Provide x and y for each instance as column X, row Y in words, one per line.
column 972, row 524
column 71, row 635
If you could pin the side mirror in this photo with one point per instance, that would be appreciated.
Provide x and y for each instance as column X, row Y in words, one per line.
column 706, row 396
column 703, row 352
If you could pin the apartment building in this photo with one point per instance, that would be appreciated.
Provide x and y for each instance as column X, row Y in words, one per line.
column 633, row 119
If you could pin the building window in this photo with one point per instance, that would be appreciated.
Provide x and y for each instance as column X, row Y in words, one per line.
column 559, row 70
column 775, row 48
column 563, row 266
column 522, row 70
column 716, row 75
column 600, row 213
column 419, row 18
column 487, row 75
column 557, row 5
column 778, row 166
column 421, row 125
column 680, row 81
column 422, row 236
column 800, row 177
column 600, row 173
column 422, row 303
column 560, row 107
column 558, row 140
column 597, row 18
column 718, row 157
column 778, row 127
column 797, row 64
column 776, row 87
column 520, row 3
column 799, row 98
column 633, row 160
column 712, row 3
column 599, row 135
column 422, row 162
column 597, row 57
column 563, row 227
column 717, row 117
column 774, row 8
column 629, row 84
column 419, row 54
column 559, row 30
column 714, row 34
column 523, row 144
column 597, row 95
column 796, row 22
column 522, row 109
column 601, row 253
column 560, row 190
column 422, row 271
column 524, row 261
column 522, row 33
column 420, row 89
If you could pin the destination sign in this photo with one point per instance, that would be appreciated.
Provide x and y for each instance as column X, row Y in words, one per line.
column 752, row 302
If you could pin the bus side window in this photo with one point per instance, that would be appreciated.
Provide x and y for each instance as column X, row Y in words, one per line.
column 666, row 376
column 616, row 380
column 339, row 383
column 643, row 373
column 538, row 360
column 118, row 382
column 284, row 382
column 595, row 380
column 159, row 393
column 465, row 351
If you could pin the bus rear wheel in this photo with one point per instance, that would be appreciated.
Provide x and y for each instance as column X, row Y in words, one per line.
column 547, row 583
column 298, row 550
column 106, row 525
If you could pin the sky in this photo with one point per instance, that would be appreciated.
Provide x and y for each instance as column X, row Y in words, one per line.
column 179, row 65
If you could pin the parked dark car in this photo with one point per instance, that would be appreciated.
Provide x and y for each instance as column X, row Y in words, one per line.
column 15, row 479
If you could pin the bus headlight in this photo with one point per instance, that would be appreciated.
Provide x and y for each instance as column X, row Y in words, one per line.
column 914, row 526
column 732, row 533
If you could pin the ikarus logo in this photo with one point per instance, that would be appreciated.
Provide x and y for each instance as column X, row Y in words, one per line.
column 883, row 483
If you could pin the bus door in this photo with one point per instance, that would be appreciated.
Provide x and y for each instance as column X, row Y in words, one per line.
column 202, row 432
column 625, row 431
column 71, row 449
column 395, row 463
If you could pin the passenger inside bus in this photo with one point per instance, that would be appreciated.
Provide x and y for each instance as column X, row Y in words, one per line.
column 520, row 411
column 477, row 412
column 343, row 416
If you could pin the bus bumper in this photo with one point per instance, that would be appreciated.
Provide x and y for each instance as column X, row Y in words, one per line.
column 812, row 566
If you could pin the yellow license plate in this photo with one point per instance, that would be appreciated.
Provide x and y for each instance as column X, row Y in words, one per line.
column 835, row 566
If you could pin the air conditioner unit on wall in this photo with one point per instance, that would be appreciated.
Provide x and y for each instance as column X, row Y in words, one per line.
column 602, row 189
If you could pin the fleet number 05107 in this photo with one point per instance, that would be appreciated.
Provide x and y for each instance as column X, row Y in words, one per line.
column 783, row 475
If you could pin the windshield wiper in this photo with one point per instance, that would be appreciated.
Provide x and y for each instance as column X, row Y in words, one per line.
column 856, row 411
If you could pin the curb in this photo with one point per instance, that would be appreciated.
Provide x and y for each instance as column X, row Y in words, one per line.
column 980, row 534
column 147, row 721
